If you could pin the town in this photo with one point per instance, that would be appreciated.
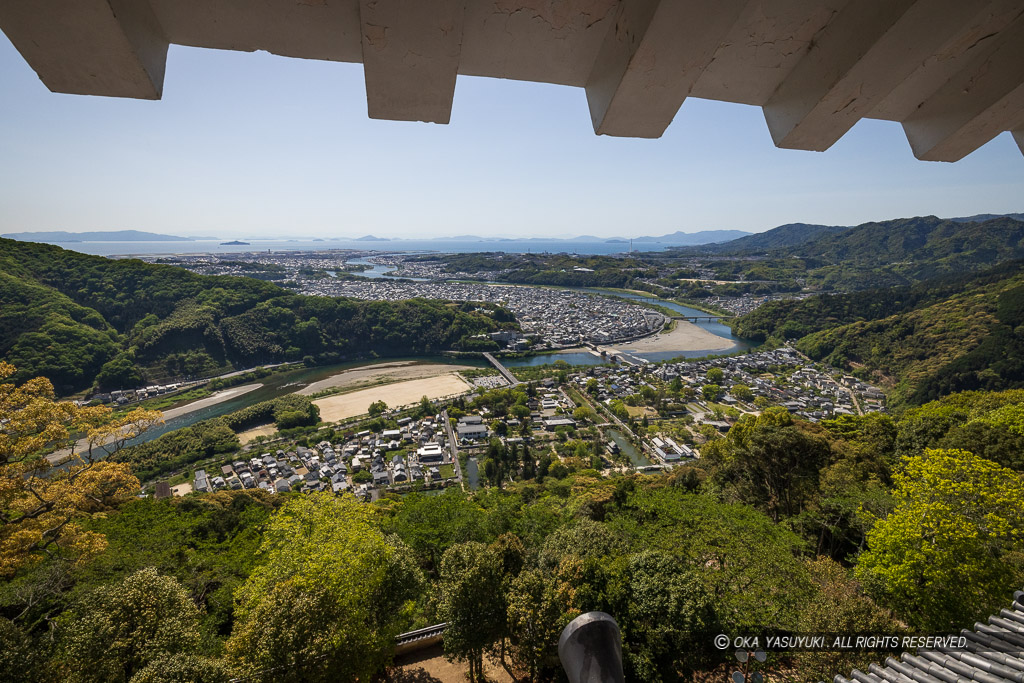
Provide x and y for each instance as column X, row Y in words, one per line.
column 607, row 419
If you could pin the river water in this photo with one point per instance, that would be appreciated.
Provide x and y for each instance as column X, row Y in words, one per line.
column 635, row 456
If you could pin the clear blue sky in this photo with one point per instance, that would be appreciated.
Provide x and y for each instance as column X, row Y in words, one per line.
column 256, row 145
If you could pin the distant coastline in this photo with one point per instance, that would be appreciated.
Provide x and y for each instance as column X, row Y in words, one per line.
column 63, row 237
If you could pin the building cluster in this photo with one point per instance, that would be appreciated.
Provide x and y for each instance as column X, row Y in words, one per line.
column 123, row 397
column 555, row 318
column 747, row 303
column 782, row 377
column 414, row 452
column 286, row 265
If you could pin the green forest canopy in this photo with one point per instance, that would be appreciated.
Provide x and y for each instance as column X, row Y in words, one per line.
column 79, row 320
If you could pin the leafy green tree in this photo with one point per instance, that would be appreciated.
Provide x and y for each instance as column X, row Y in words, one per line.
column 536, row 618
column 741, row 392
column 715, row 375
column 665, row 613
column 119, row 373
column 583, row 414
column 769, row 461
column 951, row 547
column 184, row 668
column 838, row 605
column 470, row 604
column 377, row 407
column 330, row 597
column 426, row 408
column 119, row 629
column 747, row 563
column 22, row 660
column 711, row 392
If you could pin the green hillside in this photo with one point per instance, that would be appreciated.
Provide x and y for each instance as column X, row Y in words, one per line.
column 923, row 246
column 949, row 334
column 783, row 237
column 76, row 319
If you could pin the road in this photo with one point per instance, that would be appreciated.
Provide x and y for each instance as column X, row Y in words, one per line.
column 453, row 446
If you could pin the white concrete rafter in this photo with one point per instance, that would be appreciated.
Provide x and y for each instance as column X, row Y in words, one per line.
column 114, row 48
column 978, row 103
column 411, row 55
column 867, row 50
column 653, row 53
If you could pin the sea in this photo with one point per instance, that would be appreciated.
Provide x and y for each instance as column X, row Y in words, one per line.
column 535, row 246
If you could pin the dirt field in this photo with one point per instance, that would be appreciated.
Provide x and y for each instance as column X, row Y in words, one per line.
column 430, row 666
column 685, row 337
column 334, row 408
column 250, row 434
column 381, row 372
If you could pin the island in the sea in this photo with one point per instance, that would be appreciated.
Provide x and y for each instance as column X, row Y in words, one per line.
column 234, row 243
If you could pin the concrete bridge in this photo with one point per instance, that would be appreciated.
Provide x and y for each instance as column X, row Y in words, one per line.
column 702, row 318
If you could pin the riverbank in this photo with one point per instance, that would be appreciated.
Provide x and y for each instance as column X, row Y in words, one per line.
column 219, row 397
column 685, row 336
column 58, row 457
column 379, row 373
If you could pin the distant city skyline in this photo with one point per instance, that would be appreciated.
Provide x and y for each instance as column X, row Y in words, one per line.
column 249, row 145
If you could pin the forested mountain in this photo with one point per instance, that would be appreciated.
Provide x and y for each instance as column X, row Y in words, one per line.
column 76, row 319
column 706, row 237
column 872, row 255
column 922, row 244
column 782, row 237
column 949, row 334
column 987, row 217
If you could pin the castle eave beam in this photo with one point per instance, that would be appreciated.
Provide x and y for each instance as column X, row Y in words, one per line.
column 411, row 54
column 113, row 48
column 652, row 55
column 977, row 104
column 865, row 52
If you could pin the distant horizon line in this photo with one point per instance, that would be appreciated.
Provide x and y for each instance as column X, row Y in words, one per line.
column 149, row 235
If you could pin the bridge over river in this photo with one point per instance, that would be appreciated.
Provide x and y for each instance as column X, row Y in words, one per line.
column 509, row 377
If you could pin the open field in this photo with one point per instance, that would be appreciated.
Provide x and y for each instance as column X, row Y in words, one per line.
column 342, row 406
column 380, row 373
column 250, row 434
column 684, row 337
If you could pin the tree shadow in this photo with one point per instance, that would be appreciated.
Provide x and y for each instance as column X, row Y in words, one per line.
column 418, row 675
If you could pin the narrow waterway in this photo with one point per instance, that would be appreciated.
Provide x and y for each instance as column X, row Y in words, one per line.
column 378, row 270
column 472, row 474
column 635, row 456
